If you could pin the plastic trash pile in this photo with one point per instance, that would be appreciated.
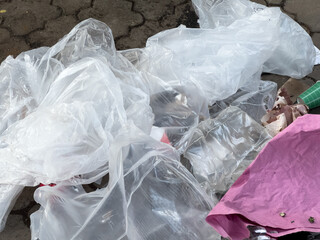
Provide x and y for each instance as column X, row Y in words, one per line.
column 164, row 130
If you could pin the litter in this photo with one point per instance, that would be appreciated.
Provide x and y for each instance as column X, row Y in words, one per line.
column 150, row 195
column 311, row 97
column 220, row 149
column 137, row 122
column 254, row 103
column 294, row 54
column 282, row 178
column 282, row 115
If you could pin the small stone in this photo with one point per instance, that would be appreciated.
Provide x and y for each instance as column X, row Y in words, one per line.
column 311, row 219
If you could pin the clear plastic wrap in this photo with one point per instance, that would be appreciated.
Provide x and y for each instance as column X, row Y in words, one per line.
column 294, row 54
column 178, row 111
column 66, row 104
column 220, row 149
column 217, row 62
column 254, row 103
column 150, row 195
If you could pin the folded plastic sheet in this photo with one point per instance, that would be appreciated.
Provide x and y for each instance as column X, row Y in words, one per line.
column 220, row 148
column 217, row 62
column 284, row 178
column 254, row 103
column 82, row 92
column 294, row 54
column 150, row 195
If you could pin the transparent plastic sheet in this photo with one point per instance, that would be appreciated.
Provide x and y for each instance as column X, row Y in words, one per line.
column 82, row 92
column 26, row 80
column 294, row 54
column 8, row 196
column 255, row 103
column 150, row 195
column 217, row 62
column 178, row 111
column 220, row 149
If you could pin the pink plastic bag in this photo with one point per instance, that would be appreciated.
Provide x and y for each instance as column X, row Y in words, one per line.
column 279, row 190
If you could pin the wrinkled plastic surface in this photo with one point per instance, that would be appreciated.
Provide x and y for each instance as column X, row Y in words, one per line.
column 284, row 178
column 71, row 101
column 150, row 195
column 8, row 195
column 254, row 103
column 178, row 111
column 217, row 62
column 220, row 149
column 294, row 54
column 63, row 108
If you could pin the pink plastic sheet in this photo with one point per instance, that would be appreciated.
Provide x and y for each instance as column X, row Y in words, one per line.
column 284, row 178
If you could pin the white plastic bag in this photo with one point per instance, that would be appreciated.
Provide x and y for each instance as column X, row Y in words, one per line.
column 71, row 102
column 217, row 62
column 150, row 195
column 217, row 147
column 294, row 55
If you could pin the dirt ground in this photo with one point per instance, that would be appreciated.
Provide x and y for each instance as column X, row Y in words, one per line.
column 28, row 24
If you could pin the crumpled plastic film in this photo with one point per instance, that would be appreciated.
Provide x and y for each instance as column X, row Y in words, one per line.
column 178, row 111
column 72, row 100
column 218, row 61
column 294, row 54
column 81, row 111
column 254, row 103
column 150, row 195
column 220, row 149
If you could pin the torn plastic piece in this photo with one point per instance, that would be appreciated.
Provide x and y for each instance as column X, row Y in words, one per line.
column 285, row 173
column 150, row 195
column 220, row 149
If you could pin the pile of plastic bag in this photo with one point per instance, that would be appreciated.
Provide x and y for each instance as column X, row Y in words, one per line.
column 81, row 111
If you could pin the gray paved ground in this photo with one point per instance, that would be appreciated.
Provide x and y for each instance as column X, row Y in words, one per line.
column 28, row 24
